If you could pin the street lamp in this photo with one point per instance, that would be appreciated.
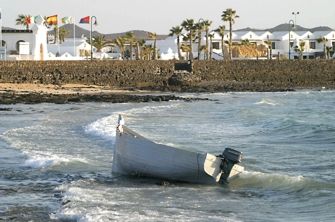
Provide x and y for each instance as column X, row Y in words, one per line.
column 291, row 25
column 295, row 17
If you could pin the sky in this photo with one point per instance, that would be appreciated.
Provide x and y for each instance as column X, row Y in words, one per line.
column 160, row 15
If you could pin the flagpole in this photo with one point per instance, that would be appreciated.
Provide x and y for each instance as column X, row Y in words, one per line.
column 91, row 38
column 74, row 37
column 91, row 20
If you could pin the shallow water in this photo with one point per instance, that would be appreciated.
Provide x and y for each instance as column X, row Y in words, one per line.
column 55, row 160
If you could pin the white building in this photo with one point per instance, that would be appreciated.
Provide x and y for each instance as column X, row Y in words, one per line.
column 77, row 49
column 11, row 39
column 25, row 44
column 279, row 43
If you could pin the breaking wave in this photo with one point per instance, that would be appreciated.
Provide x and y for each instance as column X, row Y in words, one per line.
column 267, row 102
column 278, row 181
column 46, row 160
column 38, row 155
column 106, row 126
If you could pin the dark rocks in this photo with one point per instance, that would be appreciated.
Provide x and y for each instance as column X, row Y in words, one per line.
column 210, row 76
column 33, row 98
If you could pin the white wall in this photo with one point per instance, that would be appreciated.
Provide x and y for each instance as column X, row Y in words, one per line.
column 12, row 38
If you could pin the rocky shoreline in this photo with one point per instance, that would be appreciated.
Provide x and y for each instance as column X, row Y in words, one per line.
column 143, row 81
column 34, row 98
column 33, row 94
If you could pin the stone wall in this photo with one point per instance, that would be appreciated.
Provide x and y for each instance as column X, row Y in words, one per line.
column 243, row 75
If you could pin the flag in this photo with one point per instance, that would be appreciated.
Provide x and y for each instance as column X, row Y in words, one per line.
column 85, row 20
column 52, row 20
column 32, row 19
column 28, row 20
column 67, row 20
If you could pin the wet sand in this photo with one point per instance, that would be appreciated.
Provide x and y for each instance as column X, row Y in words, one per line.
column 38, row 93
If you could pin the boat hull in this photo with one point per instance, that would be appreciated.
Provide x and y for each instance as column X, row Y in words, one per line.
column 136, row 155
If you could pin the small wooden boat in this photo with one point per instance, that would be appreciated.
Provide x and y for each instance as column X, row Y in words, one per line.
column 136, row 155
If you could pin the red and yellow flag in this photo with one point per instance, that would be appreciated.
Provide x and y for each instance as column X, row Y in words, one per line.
column 52, row 20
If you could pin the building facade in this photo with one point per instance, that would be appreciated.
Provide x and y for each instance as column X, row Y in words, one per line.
column 288, row 44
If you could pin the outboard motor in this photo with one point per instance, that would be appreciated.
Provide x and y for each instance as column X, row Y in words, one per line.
column 229, row 158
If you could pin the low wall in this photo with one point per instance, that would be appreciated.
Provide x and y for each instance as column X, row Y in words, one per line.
column 244, row 75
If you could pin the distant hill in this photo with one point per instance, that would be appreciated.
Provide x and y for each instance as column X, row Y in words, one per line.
column 321, row 28
column 139, row 34
column 79, row 31
column 248, row 29
column 284, row 27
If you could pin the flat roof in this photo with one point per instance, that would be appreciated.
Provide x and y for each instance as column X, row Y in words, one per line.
column 16, row 31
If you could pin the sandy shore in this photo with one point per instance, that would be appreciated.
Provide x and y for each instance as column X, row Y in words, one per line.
column 63, row 89
column 37, row 93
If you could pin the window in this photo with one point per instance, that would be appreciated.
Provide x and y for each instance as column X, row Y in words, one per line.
column 333, row 44
column 215, row 45
column 273, row 45
column 3, row 43
column 312, row 45
column 250, row 36
column 291, row 44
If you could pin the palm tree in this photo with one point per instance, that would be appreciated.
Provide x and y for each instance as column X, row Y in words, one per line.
column 206, row 25
column 300, row 49
column 269, row 44
column 120, row 43
column 245, row 42
column 153, row 36
column 323, row 40
column 189, row 26
column 199, row 28
column 211, row 36
column 131, row 39
column 56, row 31
column 62, row 34
column 147, row 52
column 23, row 20
column 99, row 42
column 328, row 51
column 221, row 31
column 186, row 48
column 177, row 30
column 140, row 44
column 229, row 16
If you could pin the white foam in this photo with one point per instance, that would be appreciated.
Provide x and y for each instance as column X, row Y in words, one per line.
column 268, row 180
column 48, row 160
column 106, row 126
column 87, row 201
column 267, row 102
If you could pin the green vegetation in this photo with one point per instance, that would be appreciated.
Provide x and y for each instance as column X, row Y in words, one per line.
column 229, row 15
column 23, row 20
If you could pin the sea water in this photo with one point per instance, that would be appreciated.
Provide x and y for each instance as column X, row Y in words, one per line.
column 56, row 160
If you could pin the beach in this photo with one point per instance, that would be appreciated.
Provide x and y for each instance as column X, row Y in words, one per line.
column 12, row 93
